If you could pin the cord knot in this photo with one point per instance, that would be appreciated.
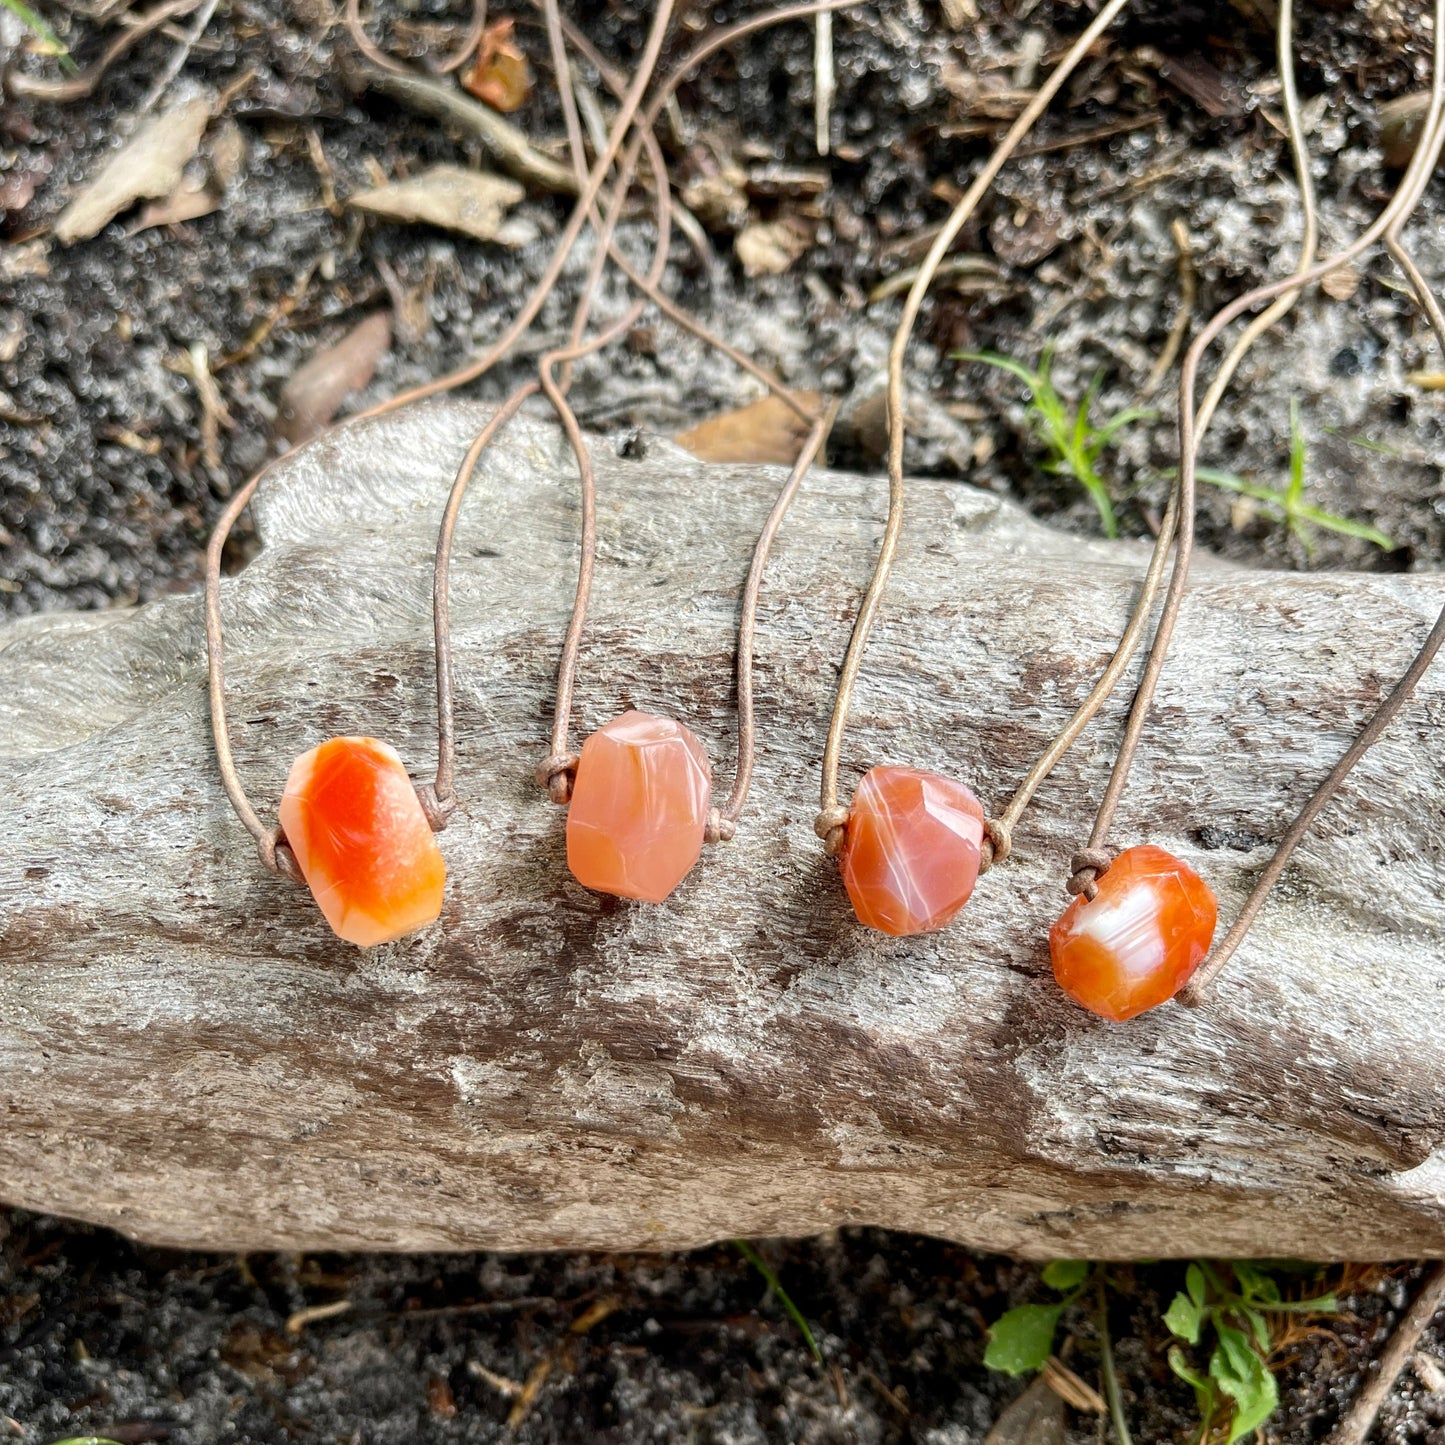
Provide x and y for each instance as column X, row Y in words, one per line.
column 1087, row 866
column 719, row 829
column 997, row 844
column 276, row 855
column 554, row 773
column 437, row 810
column 831, row 825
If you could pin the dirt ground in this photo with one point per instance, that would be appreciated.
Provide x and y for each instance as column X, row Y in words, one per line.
column 147, row 1345
column 107, row 493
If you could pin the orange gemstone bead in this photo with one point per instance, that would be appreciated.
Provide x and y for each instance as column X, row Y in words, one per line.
column 352, row 818
column 1136, row 944
column 911, row 850
column 639, row 807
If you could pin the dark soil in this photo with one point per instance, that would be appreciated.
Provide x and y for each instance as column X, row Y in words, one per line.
column 106, row 497
column 100, row 1336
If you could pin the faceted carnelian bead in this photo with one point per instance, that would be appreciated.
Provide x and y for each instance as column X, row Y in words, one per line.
column 1138, row 942
column 911, row 850
column 639, row 807
column 352, row 818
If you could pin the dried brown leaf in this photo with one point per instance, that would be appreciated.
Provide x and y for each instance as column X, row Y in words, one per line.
column 1035, row 1418
column 500, row 76
column 315, row 393
column 149, row 165
column 1341, row 284
column 763, row 431
column 19, row 259
column 188, row 202
column 472, row 202
column 1401, row 122
column 718, row 199
column 768, row 248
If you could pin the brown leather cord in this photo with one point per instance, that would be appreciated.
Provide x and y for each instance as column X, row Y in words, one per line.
column 1405, row 200
column 351, row 15
column 656, row 296
column 555, row 772
column 1193, row 994
column 813, row 445
column 1383, row 716
column 440, row 796
column 557, row 769
column 1090, row 864
column 831, row 822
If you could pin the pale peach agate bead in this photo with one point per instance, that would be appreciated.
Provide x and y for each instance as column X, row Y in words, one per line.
column 638, row 813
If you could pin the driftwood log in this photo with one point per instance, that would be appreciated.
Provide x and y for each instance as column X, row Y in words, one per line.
column 188, row 1055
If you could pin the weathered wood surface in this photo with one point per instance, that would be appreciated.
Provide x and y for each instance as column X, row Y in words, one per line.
column 188, row 1055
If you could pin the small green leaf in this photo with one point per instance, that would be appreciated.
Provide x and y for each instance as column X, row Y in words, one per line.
column 1258, row 1286
column 1259, row 1328
column 1184, row 1318
column 1206, row 1397
column 1031, row 379
column 1022, row 1339
column 1194, row 1283
column 1065, row 1274
column 1324, row 1304
column 1242, row 1375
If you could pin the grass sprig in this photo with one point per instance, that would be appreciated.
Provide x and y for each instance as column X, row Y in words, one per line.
column 1066, row 431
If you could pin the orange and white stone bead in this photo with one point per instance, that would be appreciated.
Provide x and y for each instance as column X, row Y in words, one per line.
column 1138, row 941
column 911, row 850
column 638, row 813
column 352, row 818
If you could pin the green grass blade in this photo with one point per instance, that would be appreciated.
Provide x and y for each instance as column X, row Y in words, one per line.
column 1034, row 380
column 1096, row 489
column 1296, row 491
column 51, row 40
column 794, row 1313
column 1346, row 528
column 1127, row 417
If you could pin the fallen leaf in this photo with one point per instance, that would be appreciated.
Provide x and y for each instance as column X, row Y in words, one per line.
column 718, row 198
column 228, row 155
column 500, row 77
column 472, row 202
column 439, row 1398
column 1401, row 122
column 188, row 202
column 317, row 389
column 763, row 431
column 768, row 248
column 1341, row 284
column 1035, row 1418
column 150, row 164
column 21, row 259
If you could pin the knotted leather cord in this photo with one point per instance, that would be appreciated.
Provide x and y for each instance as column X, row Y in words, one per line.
column 832, row 820
column 271, row 846
column 438, row 797
column 556, row 770
column 1401, row 205
column 1192, row 995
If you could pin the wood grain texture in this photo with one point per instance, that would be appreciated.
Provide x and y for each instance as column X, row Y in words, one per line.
column 188, row 1055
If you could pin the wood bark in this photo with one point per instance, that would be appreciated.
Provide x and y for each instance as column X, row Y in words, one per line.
column 188, row 1055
